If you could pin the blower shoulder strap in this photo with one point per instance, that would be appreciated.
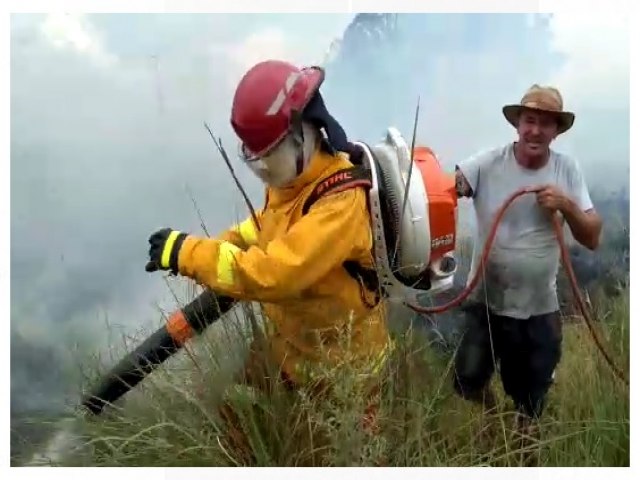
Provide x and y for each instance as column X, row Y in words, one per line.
column 352, row 177
column 339, row 181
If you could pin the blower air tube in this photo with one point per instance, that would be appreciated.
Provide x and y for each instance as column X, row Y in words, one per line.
column 182, row 325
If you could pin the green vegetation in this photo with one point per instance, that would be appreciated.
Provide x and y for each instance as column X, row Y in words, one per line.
column 172, row 418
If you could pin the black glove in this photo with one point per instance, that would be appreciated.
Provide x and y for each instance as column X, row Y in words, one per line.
column 164, row 250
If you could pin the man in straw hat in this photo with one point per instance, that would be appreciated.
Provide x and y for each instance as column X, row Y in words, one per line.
column 513, row 314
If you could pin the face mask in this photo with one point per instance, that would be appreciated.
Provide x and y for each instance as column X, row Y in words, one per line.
column 280, row 166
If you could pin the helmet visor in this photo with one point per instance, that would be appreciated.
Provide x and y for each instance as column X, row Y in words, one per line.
column 250, row 157
column 277, row 166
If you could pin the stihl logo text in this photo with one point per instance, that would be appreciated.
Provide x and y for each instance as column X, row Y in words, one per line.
column 340, row 177
column 443, row 241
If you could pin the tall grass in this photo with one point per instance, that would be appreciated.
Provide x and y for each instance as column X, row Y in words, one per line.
column 172, row 418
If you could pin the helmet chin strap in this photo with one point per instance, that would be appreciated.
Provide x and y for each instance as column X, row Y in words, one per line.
column 300, row 155
column 298, row 138
column 326, row 143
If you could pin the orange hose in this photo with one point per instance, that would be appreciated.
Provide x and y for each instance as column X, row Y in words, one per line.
column 567, row 265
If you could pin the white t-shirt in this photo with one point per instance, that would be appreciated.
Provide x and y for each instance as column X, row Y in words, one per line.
column 520, row 274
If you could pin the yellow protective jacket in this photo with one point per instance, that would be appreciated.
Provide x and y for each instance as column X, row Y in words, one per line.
column 293, row 267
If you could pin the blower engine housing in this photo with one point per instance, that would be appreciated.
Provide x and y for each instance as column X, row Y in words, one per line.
column 413, row 246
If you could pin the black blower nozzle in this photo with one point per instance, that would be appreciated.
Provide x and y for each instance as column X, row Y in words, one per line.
column 183, row 324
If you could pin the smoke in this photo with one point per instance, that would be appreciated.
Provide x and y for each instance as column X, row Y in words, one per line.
column 108, row 143
column 464, row 67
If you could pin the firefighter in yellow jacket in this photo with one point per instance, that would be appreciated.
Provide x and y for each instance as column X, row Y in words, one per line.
column 309, row 260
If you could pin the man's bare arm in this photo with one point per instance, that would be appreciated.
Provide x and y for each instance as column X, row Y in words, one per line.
column 463, row 188
column 585, row 226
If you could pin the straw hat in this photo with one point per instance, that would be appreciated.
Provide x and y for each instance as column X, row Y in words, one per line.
column 546, row 99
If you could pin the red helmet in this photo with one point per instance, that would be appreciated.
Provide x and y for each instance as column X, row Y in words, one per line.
column 265, row 100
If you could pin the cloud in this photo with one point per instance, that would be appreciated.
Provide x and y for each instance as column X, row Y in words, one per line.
column 73, row 31
column 596, row 68
column 594, row 81
column 265, row 44
column 291, row 42
column 261, row 45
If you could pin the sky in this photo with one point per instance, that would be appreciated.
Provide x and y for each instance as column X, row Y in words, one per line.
column 108, row 143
